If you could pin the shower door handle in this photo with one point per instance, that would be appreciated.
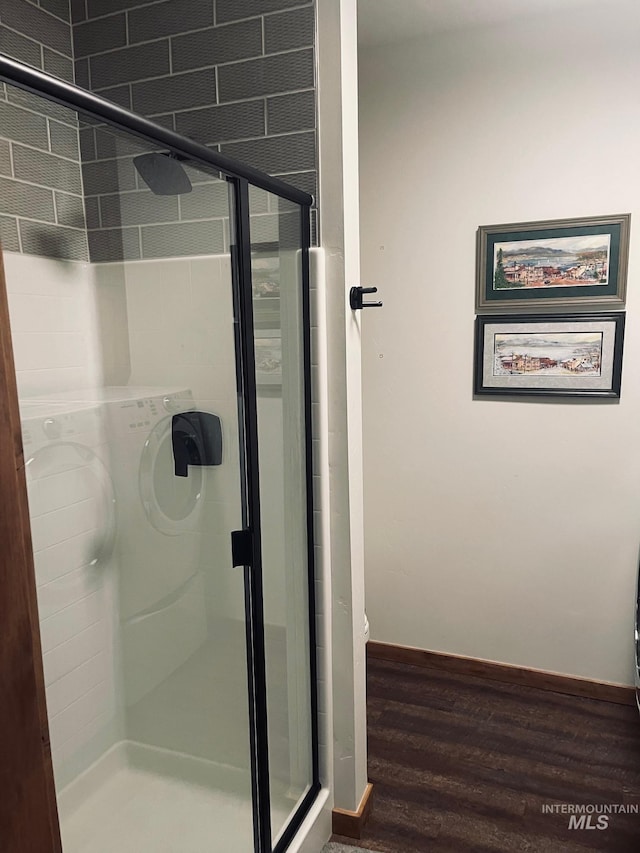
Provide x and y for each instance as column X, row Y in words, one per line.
column 242, row 547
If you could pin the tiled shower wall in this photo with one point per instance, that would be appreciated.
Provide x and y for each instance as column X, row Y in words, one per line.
column 41, row 208
column 236, row 75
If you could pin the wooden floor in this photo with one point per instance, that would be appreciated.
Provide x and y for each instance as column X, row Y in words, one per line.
column 464, row 765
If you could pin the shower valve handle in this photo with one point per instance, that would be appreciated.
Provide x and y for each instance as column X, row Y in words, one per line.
column 356, row 300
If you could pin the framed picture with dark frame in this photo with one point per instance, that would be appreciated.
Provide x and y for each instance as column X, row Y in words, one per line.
column 265, row 276
column 549, row 355
column 268, row 349
column 572, row 264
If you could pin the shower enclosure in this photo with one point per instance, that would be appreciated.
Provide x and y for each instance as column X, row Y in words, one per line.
column 163, row 367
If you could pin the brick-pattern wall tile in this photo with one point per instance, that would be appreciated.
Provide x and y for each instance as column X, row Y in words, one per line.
column 43, row 27
column 41, row 106
column 290, row 113
column 60, row 8
column 26, row 200
column 5, row 157
column 114, row 244
column 167, row 19
column 64, row 140
column 183, row 239
column 233, row 10
column 70, row 210
column 37, row 238
column 120, row 95
column 81, row 69
column 110, row 144
column 99, row 36
column 58, row 65
column 236, row 75
column 289, row 30
column 216, row 45
column 78, row 11
column 87, row 137
column 41, row 209
column 20, row 47
column 137, row 208
column 96, row 8
column 92, row 212
column 109, row 176
column 284, row 72
column 205, row 202
column 129, row 64
column 178, row 92
column 20, row 125
column 46, row 169
column 9, row 234
column 276, row 154
column 223, row 123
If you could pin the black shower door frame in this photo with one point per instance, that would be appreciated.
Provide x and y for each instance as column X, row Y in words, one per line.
column 239, row 177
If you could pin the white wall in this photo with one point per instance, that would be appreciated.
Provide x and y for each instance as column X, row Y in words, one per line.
column 53, row 324
column 503, row 530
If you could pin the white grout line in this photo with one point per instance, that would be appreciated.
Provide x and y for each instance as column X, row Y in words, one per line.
column 54, row 50
column 75, row 701
column 19, row 218
column 83, row 631
column 86, row 597
column 77, row 666
column 49, row 148
column 22, row 106
column 22, row 35
column 55, row 209
column 49, row 153
column 13, row 174
column 241, row 61
column 146, row 3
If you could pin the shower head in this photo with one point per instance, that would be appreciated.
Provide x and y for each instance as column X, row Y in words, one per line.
column 163, row 173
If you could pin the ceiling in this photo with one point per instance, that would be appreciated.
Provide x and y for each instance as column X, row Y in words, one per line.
column 385, row 21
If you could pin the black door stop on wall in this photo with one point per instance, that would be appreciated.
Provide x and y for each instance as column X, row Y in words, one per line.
column 355, row 298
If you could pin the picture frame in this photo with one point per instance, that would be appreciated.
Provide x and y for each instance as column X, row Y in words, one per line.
column 573, row 264
column 549, row 355
column 268, row 350
column 265, row 276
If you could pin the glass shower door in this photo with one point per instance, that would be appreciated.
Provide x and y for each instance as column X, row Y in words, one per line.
column 282, row 371
column 135, row 453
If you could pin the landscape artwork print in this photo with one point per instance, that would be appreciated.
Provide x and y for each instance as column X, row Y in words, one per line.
column 554, row 262
column 548, row 354
column 551, row 355
column 566, row 264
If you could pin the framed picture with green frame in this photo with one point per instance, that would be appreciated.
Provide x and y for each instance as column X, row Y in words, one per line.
column 572, row 264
